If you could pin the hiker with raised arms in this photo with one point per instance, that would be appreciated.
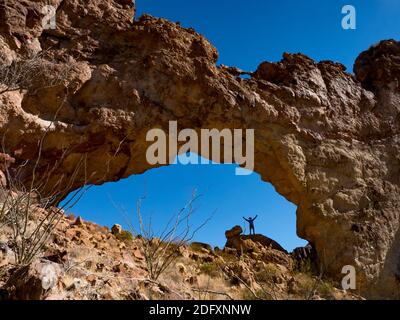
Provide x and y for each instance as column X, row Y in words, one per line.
column 250, row 220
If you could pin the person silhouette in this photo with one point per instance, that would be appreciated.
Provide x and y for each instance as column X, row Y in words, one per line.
column 250, row 220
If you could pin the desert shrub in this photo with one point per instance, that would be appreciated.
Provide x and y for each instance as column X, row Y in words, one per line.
column 309, row 286
column 161, row 250
column 261, row 294
column 303, row 266
column 267, row 274
column 32, row 72
column 30, row 209
column 227, row 257
column 125, row 236
column 325, row 289
column 209, row 268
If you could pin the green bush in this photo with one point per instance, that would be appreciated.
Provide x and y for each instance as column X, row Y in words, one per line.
column 303, row 266
column 267, row 273
column 325, row 289
column 209, row 268
column 124, row 236
column 261, row 295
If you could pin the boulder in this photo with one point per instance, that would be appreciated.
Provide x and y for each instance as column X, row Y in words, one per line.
column 200, row 245
column 79, row 222
column 235, row 231
column 250, row 243
column 181, row 268
column 304, row 253
column 116, row 229
column 277, row 257
column 35, row 281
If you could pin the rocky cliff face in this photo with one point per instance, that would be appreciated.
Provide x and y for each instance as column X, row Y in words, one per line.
column 327, row 140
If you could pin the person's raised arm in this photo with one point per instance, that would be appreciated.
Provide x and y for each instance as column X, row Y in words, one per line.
column 245, row 219
column 255, row 217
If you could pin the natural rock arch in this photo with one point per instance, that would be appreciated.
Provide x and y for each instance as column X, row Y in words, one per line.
column 328, row 141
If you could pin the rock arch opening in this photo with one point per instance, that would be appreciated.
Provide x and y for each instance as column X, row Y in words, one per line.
column 224, row 197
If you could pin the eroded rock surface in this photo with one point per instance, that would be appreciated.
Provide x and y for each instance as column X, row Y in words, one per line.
column 249, row 243
column 327, row 140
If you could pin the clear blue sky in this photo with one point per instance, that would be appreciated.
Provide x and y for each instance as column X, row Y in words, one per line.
column 245, row 34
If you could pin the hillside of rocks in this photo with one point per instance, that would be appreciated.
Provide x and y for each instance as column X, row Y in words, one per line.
column 85, row 261
column 328, row 140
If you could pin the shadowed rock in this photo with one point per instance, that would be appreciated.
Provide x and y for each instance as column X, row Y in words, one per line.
column 236, row 240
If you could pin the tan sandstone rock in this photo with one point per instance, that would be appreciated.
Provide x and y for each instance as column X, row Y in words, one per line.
column 116, row 229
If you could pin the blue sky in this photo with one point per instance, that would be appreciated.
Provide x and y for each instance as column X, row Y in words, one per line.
column 245, row 34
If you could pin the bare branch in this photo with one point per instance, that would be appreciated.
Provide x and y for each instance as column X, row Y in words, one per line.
column 213, row 292
column 160, row 252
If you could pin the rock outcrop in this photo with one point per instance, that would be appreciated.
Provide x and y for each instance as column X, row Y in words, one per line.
column 31, row 282
column 257, row 246
column 327, row 140
column 305, row 253
column 240, row 242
